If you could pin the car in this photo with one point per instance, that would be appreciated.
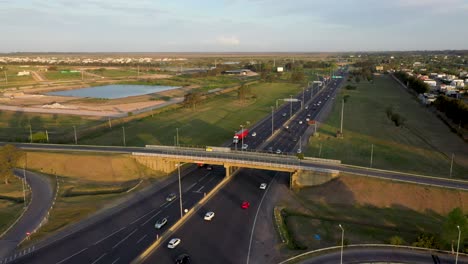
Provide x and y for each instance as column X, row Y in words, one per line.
column 308, row 115
column 307, row 119
column 299, row 151
column 270, row 149
column 245, row 205
column 209, row 216
column 284, row 114
column 245, row 147
column 300, row 122
column 171, row 197
column 183, row 259
column 307, row 107
column 173, row 243
column 295, row 139
column 263, row 186
column 209, row 167
column 278, row 151
column 254, row 134
column 160, row 223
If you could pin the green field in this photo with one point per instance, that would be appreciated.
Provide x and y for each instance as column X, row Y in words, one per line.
column 113, row 73
column 58, row 76
column 15, row 125
column 423, row 145
column 211, row 123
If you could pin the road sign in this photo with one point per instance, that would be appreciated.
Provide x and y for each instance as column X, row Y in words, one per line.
column 291, row 100
column 337, row 77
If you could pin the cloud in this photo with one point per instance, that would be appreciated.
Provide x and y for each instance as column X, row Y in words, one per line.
column 228, row 41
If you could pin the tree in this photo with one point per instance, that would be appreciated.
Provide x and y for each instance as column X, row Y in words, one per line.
column 450, row 231
column 192, row 99
column 426, row 241
column 396, row 240
column 297, row 76
column 9, row 158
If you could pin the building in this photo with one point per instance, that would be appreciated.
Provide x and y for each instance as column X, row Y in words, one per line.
column 458, row 83
column 279, row 69
column 427, row 98
column 23, row 73
column 379, row 68
column 237, row 72
column 430, row 82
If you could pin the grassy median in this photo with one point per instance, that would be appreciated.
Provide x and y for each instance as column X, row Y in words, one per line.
column 423, row 144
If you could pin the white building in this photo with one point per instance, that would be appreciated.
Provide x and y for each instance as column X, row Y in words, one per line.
column 279, row 69
column 23, row 73
column 431, row 83
column 458, row 83
column 427, row 98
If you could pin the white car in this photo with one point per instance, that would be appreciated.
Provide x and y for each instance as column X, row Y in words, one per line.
column 307, row 119
column 209, row 216
column 160, row 223
column 263, row 186
column 300, row 122
column 299, row 151
column 284, row 114
column 245, row 146
column 254, row 134
column 173, row 243
column 278, row 151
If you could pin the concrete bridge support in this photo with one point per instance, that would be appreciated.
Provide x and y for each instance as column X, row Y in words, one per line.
column 157, row 163
column 300, row 179
column 230, row 170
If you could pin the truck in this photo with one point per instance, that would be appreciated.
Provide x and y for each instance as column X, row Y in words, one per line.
column 240, row 135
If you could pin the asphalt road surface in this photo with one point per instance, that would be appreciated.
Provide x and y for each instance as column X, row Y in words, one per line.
column 385, row 255
column 119, row 238
column 41, row 200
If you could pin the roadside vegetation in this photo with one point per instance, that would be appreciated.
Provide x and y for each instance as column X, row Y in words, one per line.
column 373, row 211
column 381, row 117
column 211, row 122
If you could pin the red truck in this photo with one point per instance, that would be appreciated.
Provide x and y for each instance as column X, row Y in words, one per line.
column 240, row 135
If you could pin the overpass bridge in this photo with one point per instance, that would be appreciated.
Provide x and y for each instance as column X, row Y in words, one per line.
column 166, row 158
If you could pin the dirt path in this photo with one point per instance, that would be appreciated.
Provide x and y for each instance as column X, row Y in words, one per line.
column 38, row 77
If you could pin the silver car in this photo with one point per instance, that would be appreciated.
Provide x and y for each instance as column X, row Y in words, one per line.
column 171, row 197
column 160, row 223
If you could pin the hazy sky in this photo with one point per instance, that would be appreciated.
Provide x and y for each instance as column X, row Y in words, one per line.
column 232, row 25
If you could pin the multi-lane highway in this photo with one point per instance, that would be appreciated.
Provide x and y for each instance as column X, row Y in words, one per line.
column 120, row 237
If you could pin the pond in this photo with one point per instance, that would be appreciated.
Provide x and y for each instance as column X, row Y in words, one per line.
column 114, row 91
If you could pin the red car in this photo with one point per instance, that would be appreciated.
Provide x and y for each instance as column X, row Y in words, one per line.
column 245, row 205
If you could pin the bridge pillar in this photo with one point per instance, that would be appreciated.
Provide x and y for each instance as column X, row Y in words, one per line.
column 228, row 170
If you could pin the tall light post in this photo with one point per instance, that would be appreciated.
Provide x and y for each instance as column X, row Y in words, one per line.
column 30, row 134
column 290, row 108
column 342, row 111
column 76, row 138
column 242, row 133
column 272, row 118
column 180, row 190
column 177, row 136
column 451, row 165
column 303, row 94
column 458, row 244
column 123, row 136
column 371, row 155
column 342, row 243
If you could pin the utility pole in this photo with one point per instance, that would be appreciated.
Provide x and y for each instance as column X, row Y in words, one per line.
column 451, row 165
column 371, row 155
column 76, row 138
column 6, row 77
column 303, row 94
column 177, row 136
column 138, row 70
column 24, row 182
column 342, row 111
column 47, row 136
column 30, row 134
column 124, row 143
column 110, row 123
column 82, row 74
column 320, row 150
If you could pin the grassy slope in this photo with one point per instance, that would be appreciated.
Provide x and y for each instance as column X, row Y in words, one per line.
column 9, row 210
column 423, row 146
column 211, row 123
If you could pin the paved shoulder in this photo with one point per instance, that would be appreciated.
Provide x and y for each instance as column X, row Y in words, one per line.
column 41, row 200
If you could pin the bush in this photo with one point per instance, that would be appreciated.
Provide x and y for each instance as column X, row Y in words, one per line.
column 350, row 87
column 426, row 241
column 396, row 240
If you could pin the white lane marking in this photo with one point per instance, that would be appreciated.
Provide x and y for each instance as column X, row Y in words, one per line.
column 255, row 219
column 197, row 191
column 65, row 259
column 141, row 239
column 191, row 186
column 210, row 180
column 163, row 204
column 115, row 261
column 170, row 203
column 150, row 218
column 204, row 177
column 125, row 238
column 143, row 216
column 99, row 241
column 99, row 258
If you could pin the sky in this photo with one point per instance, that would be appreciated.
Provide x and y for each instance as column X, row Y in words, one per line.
column 232, row 25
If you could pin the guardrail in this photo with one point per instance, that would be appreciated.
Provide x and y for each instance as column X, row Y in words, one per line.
column 330, row 161
column 367, row 246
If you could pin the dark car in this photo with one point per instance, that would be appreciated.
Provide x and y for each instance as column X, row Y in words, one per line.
column 183, row 259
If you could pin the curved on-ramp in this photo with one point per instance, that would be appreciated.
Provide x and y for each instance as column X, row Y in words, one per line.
column 42, row 196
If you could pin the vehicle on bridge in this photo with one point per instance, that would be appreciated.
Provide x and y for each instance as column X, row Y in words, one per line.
column 209, row 216
column 240, row 135
column 173, row 243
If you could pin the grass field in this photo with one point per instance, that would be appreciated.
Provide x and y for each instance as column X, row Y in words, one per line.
column 15, row 125
column 10, row 209
column 211, row 123
column 58, row 76
column 370, row 210
column 423, row 145
column 113, row 73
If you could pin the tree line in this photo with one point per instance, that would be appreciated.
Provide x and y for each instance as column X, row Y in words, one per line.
column 412, row 82
column 455, row 110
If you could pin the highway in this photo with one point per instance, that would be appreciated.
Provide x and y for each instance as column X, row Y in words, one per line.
column 120, row 237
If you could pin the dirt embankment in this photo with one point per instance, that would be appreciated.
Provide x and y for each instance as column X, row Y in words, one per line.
column 357, row 190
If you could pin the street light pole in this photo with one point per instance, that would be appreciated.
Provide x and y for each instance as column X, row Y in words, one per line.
column 458, row 244
column 242, row 133
column 180, row 192
column 342, row 111
column 290, row 108
column 177, row 136
column 30, row 134
column 451, row 166
column 342, row 243
column 303, row 98
column 76, row 139
column 272, row 118
column 124, row 143
column 371, row 155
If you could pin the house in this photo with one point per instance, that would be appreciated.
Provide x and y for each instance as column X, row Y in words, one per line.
column 279, row 69
column 379, row 68
column 427, row 98
column 237, row 72
column 458, row 83
column 430, row 82
column 23, row 73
